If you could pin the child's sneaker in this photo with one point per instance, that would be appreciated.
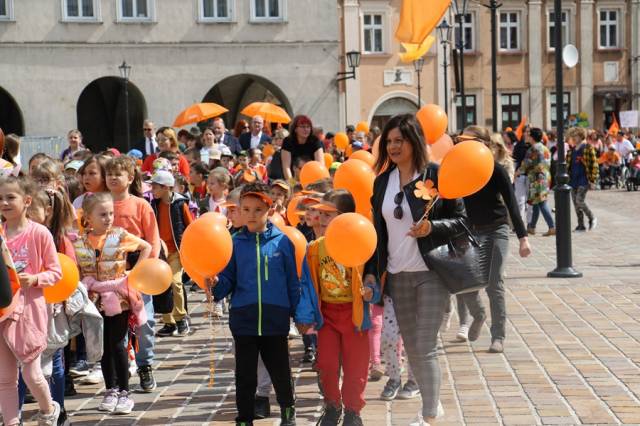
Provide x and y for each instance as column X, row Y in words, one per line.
column 109, row 401
column 409, row 391
column 50, row 419
column 125, row 404
column 390, row 390
column 182, row 327
column 352, row 419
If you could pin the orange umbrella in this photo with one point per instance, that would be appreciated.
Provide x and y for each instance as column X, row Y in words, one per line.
column 198, row 112
column 269, row 112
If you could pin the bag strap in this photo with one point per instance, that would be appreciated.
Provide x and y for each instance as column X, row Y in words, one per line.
column 472, row 238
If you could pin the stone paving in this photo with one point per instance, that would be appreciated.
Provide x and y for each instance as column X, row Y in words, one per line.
column 572, row 354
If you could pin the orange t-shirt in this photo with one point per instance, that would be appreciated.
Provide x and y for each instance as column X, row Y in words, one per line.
column 136, row 216
column 164, row 224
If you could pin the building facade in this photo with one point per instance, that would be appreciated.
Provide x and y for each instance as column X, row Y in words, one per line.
column 59, row 62
column 605, row 81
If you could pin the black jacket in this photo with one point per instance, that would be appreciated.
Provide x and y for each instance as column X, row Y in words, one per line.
column 176, row 216
column 231, row 142
column 245, row 140
column 447, row 218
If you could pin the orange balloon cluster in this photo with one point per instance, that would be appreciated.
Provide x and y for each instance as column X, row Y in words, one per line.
column 311, row 172
column 299, row 243
column 351, row 239
column 341, row 140
column 438, row 150
column 465, row 170
column 328, row 160
column 277, row 220
column 357, row 177
column 362, row 126
column 206, row 245
column 61, row 290
column 433, row 121
column 151, row 276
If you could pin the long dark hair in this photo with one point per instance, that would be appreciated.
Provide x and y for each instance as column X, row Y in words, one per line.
column 411, row 133
column 61, row 212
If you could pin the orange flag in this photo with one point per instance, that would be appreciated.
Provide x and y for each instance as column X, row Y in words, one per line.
column 615, row 127
column 418, row 18
column 520, row 128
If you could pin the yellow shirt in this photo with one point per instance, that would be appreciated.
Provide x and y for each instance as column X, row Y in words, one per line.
column 335, row 279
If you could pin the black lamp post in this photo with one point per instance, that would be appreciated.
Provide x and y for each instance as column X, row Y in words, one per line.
column 562, row 191
column 125, row 72
column 493, row 7
column 353, row 62
column 444, row 32
column 417, row 65
column 460, row 11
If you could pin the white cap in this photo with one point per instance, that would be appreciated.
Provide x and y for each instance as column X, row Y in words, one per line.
column 163, row 177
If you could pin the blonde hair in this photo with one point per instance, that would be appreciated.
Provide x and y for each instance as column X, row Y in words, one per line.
column 480, row 133
column 170, row 134
column 501, row 154
column 90, row 201
column 578, row 134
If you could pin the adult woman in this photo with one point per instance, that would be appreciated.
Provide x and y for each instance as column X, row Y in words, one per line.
column 536, row 166
column 419, row 296
column 241, row 127
column 487, row 215
column 208, row 142
column 300, row 144
column 167, row 141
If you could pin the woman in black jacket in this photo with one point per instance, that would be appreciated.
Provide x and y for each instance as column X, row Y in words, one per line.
column 419, row 296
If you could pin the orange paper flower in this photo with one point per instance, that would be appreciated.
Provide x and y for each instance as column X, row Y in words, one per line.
column 425, row 190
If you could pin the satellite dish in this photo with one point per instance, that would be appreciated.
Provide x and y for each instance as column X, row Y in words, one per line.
column 570, row 55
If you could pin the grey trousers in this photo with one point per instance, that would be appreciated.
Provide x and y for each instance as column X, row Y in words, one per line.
column 579, row 196
column 494, row 249
column 420, row 300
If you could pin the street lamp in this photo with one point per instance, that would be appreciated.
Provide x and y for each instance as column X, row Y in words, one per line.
column 493, row 7
column 417, row 65
column 460, row 11
column 125, row 72
column 562, row 191
column 353, row 62
column 444, row 32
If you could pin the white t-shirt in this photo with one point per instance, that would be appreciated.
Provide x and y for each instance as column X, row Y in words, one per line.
column 255, row 140
column 624, row 148
column 404, row 254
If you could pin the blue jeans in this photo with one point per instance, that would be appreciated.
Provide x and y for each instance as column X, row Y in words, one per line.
column 146, row 335
column 546, row 213
column 56, row 382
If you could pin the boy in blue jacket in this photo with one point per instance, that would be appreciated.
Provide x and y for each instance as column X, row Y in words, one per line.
column 263, row 282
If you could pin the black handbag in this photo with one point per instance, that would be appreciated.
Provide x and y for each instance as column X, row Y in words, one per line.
column 457, row 263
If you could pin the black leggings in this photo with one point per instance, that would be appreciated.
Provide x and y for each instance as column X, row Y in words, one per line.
column 115, row 362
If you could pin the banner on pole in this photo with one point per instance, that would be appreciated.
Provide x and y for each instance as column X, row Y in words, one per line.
column 628, row 119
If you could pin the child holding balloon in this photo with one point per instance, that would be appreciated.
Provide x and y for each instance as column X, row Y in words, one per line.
column 24, row 335
column 101, row 252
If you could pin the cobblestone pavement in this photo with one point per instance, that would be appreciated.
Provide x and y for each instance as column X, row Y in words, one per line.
column 572, row 354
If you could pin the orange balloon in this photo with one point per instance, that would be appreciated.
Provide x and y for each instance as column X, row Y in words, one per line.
column 341, row 140
column 365, row 156
column 199, row 279
column 328, row 160
column 268, row 150
column 351, row 239
column 292, row 208
column 438, row 150
column 61, row 290
column 362, row 126
column 277, row 220
column 348, row 151
column 356, row 177
column 207, row 244
column 311, row 172
column 465, row 170
column 215, row 216
column 433, row 121
column 151, row 276
column 299, row 243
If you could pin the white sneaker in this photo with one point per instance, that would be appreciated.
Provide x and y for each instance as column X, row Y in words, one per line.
column 109, row 401
column 50, row 419
column 293, row 331
column 125, row 404
column 463, row 334
column 420, row 421
column 94, row 377
column 218, row 310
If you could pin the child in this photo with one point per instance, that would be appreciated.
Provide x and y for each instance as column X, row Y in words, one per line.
column 255, row 164
column 172, row 212
column 199, row 174
column 93, row 176
column 101, row 252
column 49, row 174
column 344, row 304
column 37, row 159
column 280, row 194
column 135, row 215
column 218, row 184
column 74, row 137
column 24, row 335
column 263, row 259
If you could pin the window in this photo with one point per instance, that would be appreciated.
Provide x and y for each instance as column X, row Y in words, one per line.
column 470, row 110
column 566, row 107
column 509, row 31
column 136, row 10
column 373, row 33
column 267, row 10
column 609, row 31
column 467, row 32
column 551, row 39
column 511, row 109
column 215, row 10
column 6, row 10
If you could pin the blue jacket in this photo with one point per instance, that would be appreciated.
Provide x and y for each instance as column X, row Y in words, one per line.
column 263, row 282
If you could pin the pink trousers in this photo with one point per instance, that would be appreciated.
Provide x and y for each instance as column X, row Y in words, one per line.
column 375, row 334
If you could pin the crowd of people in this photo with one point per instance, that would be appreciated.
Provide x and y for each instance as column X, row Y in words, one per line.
column 110, row 210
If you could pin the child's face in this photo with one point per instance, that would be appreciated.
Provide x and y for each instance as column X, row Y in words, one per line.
column 92, row 178
column 118, row 180
column 278, row 195
column 175, row 165
column 254, row 213
column 74, row 141
column 226, row 162
column 39, row 213
column 234, row 216
column 47, row 183
column 195, row 178
column 243, row 161
column 327, row 217
column 215, row 188
column 100, row 218
column 13, row 203
column 160, row 191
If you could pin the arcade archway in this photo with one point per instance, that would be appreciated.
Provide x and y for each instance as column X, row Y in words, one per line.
column 10, row 115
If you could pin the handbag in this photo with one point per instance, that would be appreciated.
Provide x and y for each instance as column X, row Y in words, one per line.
column 457, row 263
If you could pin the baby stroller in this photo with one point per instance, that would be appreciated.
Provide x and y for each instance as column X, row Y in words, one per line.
column 633, row 172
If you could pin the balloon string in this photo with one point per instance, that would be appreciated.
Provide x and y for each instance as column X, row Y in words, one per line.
column 428, row 209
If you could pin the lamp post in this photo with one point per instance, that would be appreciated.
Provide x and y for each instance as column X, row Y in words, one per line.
column 417, row 65
column 562, row 191
column 460, row 10
column 125, row 71
column 444, row 32
column 493, row 7
column 353, row 62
